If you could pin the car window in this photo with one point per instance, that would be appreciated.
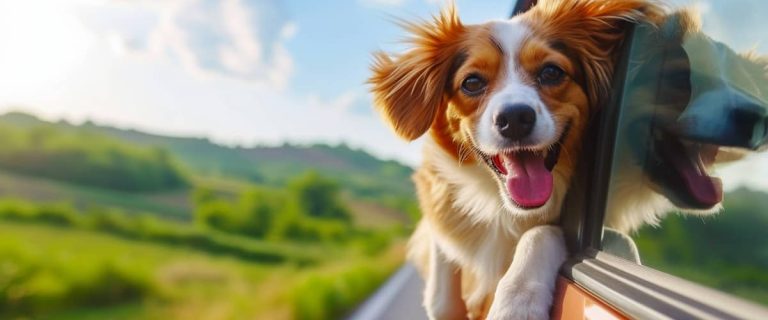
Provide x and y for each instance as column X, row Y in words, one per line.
column 689, row 176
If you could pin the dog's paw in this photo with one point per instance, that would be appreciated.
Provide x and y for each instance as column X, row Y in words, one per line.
column 446, row 311
column 528, row 301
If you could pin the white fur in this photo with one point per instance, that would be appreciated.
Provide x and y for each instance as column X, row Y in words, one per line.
column 478, row 195
column 510, row 35
column 527, row 288
column 632, row 201
column 442, row 294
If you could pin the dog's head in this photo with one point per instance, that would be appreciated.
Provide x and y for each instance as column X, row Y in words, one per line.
column 515, row 95
column 690, row 102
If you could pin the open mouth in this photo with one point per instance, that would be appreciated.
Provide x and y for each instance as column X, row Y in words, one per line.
column 527, row 174
column 680, row 170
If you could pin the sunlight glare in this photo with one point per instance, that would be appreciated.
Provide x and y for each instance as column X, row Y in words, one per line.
column 40, row 44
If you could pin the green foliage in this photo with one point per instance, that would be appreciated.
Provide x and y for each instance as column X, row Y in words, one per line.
column 374, row 242
column 51, row 271
column 144, row 227
column 258, row 210
column 725, row 251
column 309, row 210
column 357, row 171
column 58, row 214
column 309, row 229
column 293, row 224
column 87, row 158
column 130, row 160
column 318, row 197
column 202, row 195
column 217, row 214
column 37, row 284
column 331, row 296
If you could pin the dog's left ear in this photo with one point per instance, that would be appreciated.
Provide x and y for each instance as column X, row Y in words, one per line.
column 592, row 31
column 410, row 90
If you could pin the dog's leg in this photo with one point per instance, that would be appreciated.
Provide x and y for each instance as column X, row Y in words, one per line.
column 526, row 289
column 442, row 295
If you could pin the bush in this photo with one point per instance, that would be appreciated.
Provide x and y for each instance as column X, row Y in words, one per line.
column 38, row 284
column 88, row 158
column 331, row 296
column 59, row 214
column 141, row 227
column 217, row 214
column 257, row 211
column 318, row 197
column 279, row 215
column 112, row 283
column 309, row 230
column 16, row 210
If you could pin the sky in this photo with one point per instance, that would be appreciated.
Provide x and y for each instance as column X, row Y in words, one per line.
column 239, row 72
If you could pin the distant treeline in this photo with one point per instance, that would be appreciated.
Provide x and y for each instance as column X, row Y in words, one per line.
column 357, row 173
column 87, row 158
column 146, row 227
column 726, row 251
column 309, row 209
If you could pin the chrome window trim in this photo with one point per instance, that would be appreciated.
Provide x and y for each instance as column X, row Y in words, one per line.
column 645, row 293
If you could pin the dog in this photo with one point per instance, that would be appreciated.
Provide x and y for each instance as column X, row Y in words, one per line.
column 504, row 106
column 692, row 103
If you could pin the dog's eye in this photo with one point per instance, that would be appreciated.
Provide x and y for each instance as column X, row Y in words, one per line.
column 473, row 85
column 550, row 75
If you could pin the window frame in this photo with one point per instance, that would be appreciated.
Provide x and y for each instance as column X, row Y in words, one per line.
column 634, row 290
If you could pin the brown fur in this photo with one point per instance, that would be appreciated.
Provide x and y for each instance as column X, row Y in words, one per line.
column 591, row 31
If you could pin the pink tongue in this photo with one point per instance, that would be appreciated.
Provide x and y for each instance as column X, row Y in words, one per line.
column 705, row 189
column 529, row 182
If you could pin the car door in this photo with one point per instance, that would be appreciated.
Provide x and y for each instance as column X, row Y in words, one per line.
column 677, row 88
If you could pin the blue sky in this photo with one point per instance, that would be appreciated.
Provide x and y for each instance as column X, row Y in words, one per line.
column 244, row 72
column 240, row 72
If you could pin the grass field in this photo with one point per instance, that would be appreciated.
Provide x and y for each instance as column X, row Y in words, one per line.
column 165, row 282
column 98, row 223
column 173, row 204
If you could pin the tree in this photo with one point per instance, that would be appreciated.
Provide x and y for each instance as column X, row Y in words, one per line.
column 258, row 210
column 317, row 196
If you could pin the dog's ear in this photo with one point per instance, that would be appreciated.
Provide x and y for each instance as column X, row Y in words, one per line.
column 410, row 89
column 592, row 31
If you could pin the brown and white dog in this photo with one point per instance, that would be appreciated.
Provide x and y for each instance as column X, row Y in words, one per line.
column 506, row 104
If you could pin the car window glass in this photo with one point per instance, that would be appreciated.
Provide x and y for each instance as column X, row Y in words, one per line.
column 690, row 170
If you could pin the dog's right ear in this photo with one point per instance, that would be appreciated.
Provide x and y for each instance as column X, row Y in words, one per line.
column 410, row 90
column 593, row 31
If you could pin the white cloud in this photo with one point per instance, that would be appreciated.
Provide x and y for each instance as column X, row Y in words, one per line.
column 137, row 70
column 230, row 38
column 30, row 31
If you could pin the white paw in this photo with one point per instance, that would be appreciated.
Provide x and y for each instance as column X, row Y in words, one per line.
column 525, row 301
column 447, row 312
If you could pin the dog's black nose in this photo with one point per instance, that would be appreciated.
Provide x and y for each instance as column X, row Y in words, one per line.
column 515, row 121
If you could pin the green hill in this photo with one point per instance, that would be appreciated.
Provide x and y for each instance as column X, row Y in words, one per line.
column 357, row 171
column 102, row 222
column 87, row 158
